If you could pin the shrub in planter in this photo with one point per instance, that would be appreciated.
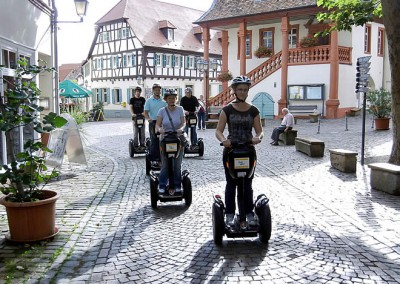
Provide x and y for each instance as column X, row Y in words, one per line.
column 22, row 180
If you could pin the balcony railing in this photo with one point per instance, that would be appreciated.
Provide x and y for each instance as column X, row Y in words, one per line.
column 297, row 56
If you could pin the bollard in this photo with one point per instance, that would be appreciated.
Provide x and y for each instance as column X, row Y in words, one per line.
column 373, row 120
column 319, row 124
column 346, row 122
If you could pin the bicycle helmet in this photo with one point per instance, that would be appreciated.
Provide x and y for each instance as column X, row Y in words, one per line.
column 241, row 80
column 138, row 89
column 188, row 90
column 170, row 92
column 155, row 85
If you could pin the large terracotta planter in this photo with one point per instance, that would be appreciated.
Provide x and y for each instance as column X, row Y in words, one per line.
column 32, row 221
column 382, row 123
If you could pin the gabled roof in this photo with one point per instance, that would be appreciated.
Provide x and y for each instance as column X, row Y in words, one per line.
column 144, row 17
column 69, row 71
column 226, row 9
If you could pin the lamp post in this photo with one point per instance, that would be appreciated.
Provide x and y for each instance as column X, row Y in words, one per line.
column 81, row 7
column 205, row 66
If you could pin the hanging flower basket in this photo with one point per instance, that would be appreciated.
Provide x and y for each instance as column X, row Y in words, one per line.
column 224, row 76
column 262, row 52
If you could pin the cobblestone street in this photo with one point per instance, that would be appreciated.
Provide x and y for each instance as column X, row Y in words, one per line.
column 327, row 226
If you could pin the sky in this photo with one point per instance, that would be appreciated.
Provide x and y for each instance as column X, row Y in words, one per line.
column 75, row 39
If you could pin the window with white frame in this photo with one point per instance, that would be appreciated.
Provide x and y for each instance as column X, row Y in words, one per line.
column 123, row 33
column 267, row 38
column 168, row 60
column 116, row 61
column 131, row 59
column 157, row 60
column 104, row 96
column 248, row 45
column 116, row 96
column 293, row 36
column 367, row 39
column 99, row 64
column 189, row 62
column 124, row 60
column 381, row 41
column 171, row 35
column 106, row 36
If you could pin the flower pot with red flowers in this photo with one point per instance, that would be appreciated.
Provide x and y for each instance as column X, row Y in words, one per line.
column 309, row 41
column 263, row 52
column 224, row 76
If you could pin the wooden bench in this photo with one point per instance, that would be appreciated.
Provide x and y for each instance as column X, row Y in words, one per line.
column 343, row 160
column 302, row 111
column 385, row 177
column 310, row 146
column 288, row 137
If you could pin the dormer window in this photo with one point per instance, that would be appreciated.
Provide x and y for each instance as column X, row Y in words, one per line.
column 198, row 33
column 167, row 29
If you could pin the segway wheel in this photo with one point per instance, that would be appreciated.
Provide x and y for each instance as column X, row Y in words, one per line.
column 265, row 225
column 131, row 149
column 187, row 190
column 153, row 193
column 218, row 224
column 148, row 164
column 201, row 148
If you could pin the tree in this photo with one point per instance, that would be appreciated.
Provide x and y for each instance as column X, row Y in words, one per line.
column 346, row 13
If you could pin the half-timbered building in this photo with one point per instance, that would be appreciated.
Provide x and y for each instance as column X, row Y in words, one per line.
column 139, row 43
column 297, row 71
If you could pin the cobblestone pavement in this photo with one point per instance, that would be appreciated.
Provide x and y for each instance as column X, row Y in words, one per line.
column 328, row 226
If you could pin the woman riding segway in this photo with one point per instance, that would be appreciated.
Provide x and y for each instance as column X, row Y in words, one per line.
column 241, row 117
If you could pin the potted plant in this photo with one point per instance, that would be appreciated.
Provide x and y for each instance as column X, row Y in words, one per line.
column 30, row 208
column 308, row 41
column 224, row 76
column 262, row 52
column 380, row 105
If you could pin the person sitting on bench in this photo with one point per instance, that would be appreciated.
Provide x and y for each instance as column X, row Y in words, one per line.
column 286, row 124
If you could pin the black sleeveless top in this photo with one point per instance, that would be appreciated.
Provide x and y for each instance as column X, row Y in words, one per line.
column 240, row 123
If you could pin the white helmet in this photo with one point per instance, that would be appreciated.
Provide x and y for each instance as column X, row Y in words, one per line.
column 241, row 80
column 188, row 90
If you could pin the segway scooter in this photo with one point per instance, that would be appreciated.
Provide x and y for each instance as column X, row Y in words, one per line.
column 241, row 163
column 171, row 149
column 191, row 121
column 135, row 149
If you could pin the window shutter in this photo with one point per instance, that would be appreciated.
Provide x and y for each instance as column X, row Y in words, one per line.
column 100, row 95
column 164, row 59
column 173, row 60
column 128, row 96
column 155, row 59
column 108, row 95
column 181, row 62
column 120, row 96
column 113, row 96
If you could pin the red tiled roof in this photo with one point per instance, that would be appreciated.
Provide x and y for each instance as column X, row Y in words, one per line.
column 65, row 69
column 225, row 9
column 144, row 16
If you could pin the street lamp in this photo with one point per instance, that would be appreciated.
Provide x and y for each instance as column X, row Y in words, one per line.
column 81, row 7
column 205, row 66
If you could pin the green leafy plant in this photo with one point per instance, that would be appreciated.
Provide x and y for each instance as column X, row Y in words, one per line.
column 262, row 52
column 380, row 103
column 224, row 76
column 26, row 174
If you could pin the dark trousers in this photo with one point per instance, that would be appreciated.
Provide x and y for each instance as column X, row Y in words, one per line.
column 277, row 130
column 154, row 142
column 230, row 190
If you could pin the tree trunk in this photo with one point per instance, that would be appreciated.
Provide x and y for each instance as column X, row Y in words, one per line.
column 391, row 19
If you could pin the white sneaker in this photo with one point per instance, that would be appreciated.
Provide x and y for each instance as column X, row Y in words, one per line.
column 230, row 219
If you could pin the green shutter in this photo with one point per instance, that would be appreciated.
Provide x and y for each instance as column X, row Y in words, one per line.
column 128, row 96
column 108, row 96
column 164, row 60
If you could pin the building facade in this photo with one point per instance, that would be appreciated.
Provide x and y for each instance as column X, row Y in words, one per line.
column 300, row 70
column 139, row 43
